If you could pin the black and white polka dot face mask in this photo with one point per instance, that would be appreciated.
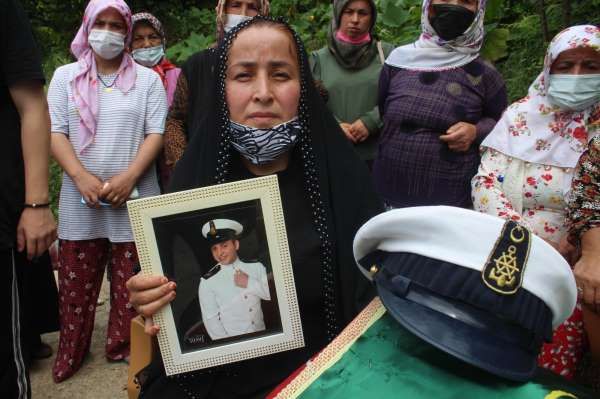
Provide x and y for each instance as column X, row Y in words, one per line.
column 263, row 145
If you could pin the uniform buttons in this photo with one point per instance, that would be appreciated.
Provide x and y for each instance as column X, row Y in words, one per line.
column 250, row 310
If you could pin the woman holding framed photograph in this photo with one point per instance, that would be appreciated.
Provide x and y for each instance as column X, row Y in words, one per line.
column 325, row 189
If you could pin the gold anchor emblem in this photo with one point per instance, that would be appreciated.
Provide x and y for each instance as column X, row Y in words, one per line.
column 506, row 268
column 213, row 230
column 503, row 271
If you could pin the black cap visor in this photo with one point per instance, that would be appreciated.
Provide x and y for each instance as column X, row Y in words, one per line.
column 455, row 331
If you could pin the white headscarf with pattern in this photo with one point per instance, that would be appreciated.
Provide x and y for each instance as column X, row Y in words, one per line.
column 536, row 131
column 432, row 53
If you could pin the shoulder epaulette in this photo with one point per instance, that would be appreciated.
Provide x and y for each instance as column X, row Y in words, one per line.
column 212, row 272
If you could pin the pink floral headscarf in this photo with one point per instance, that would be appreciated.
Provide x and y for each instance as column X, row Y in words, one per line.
column 432, row 53
column 534, row 130
column 85, row 82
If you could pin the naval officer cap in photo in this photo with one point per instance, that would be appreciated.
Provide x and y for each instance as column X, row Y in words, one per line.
column 219, row 230
column 482, row 289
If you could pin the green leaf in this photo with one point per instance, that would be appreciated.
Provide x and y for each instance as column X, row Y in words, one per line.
column 494, row 10
column 495, row 46
column 393, row 13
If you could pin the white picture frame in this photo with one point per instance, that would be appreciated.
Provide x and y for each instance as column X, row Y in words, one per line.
column 167, row 233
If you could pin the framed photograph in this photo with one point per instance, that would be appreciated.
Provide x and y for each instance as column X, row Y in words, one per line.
column 226, row 248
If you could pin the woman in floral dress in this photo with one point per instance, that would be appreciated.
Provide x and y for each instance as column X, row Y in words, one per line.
column 584, row 232
column 528, row 160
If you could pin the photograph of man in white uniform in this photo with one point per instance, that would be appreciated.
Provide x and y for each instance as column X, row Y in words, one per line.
column 230, row 293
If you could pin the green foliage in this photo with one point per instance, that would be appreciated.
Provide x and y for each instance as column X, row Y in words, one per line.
column 526, row 43
column 311, row 19
column 496, row 44
column 399, row 20
column 199, row 26
column 195, row 42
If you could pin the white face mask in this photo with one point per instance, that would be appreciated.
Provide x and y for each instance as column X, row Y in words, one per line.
column 232, row 20
column 106, row 44
column 148, row 57
column 574, row 92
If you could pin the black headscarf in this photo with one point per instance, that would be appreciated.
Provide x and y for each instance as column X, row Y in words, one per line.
column 199, row 69
column 336, row 183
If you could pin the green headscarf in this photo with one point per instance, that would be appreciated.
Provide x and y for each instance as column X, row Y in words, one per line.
column 351, row 56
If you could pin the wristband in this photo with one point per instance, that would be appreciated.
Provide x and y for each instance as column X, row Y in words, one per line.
column 36, row 205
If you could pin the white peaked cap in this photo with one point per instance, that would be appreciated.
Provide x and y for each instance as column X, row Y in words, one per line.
column 223, row 224
column 467, row 238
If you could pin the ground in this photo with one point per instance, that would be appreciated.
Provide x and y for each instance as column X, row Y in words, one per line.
column 97, row 379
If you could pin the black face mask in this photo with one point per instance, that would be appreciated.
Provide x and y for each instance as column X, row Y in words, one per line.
column 451, row 21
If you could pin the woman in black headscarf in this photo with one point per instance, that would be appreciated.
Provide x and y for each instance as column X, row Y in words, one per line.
column 326, row 194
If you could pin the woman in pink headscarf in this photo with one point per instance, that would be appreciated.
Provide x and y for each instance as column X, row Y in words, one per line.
column 108, row 116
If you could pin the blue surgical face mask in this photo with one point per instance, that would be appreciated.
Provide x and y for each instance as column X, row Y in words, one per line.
column 232, row 20
column 574, row 92
column 261, row 146
column 148, row 57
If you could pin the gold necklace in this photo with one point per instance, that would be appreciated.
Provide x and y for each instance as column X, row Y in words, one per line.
column 107, row 88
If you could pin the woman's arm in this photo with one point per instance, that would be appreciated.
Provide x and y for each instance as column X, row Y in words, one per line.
column 175, row 129
column 584, row 207
column 587, row 269
column 463, row 135
column 494, row 103
column 584, row 219
column 384, row 83
column 117, row 189
column 88, row 185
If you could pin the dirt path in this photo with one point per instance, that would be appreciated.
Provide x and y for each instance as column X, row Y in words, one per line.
column 97, row 379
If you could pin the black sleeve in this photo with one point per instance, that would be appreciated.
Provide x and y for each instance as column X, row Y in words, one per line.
column 21, row 60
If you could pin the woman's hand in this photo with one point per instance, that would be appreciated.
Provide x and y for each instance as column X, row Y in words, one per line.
column 359, row 131
column 460, row 136
column 148, row 294
column 117, row 189
column 587, row 270
column 89, row 186
column 587, row 276
column 347, row 129
column 568, row 250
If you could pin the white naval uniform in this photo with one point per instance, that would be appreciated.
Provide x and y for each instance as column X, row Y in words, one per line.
column 229, row 310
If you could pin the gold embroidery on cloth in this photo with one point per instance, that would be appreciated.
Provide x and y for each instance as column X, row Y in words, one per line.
column 504, row 269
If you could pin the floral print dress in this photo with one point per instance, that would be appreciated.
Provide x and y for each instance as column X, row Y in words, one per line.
column 584, row 211
column 542, row 209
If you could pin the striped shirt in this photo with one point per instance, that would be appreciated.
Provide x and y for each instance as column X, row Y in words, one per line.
column 123, row 122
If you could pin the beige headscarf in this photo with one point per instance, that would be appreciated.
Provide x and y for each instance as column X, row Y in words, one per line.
column 263, row 9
